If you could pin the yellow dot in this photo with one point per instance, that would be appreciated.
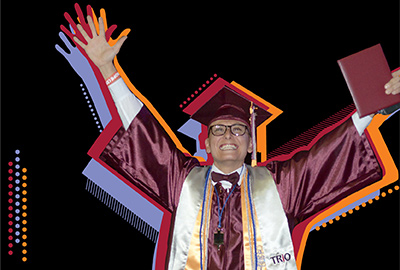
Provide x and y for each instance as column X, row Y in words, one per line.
column 24, row 185
column 383, row 194
column 24, row 199
column 370, row 201
column 24, row 251
column 24, row 214
column 390, row 191
column 24, row 236
column 330, row 221
column 24, row 192
column 357, row 208
column 324, row 224
column 377, row 198
column 24, row 229
column 24, row 170
column 24, row 207
column 337, row 218
column 24, row 244
column 396, row 187
column 24, row 221
column 24, row 259
column 318, row 228
column 24, row 177
column 363, row 204
column 344, row 215
column 351, row 211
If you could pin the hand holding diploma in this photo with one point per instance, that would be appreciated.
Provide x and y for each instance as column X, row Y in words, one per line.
column 393, row 86
column 368, row 75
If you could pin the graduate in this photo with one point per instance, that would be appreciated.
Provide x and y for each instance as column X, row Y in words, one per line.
column 230, row 215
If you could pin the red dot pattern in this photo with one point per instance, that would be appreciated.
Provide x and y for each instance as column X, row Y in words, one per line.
column 198, row 91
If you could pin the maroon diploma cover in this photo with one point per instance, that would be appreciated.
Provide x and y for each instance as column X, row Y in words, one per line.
column 366, row 73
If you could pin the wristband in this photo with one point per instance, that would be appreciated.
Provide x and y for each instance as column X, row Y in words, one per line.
column 112, row 78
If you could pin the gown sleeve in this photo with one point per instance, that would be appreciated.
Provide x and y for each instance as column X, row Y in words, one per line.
column 338, row 164
column 147, row 157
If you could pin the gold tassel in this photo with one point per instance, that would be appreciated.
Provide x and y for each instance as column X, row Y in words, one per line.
column 253, row 134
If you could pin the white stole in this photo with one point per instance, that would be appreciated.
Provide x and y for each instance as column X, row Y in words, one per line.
column 261, row 206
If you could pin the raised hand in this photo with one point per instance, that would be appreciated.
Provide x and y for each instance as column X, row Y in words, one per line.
column 97, row 48
column 110, row 30
column 95, row 44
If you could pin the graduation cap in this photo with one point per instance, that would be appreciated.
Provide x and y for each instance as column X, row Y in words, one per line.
column 230, row 105
column 222, row 100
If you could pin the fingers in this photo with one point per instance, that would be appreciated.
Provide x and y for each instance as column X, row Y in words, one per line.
column 82, row 19
column 109, row 32
column 72, row 24
column 393, row 86
column 80, row 43
column 99, row 23
column 396, row 73
column 101, row 27
column 95, row 19
column 394, row 90
column 78, row 35
column 91, row 25
column 87, row 30
column 103, row 17
column 119, row 43
column 123, row 34
column 83, row 33
column 89, row 11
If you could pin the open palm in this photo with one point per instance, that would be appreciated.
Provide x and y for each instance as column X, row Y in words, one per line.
column 98, row 45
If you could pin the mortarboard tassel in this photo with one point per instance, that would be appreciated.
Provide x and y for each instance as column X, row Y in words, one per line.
column 253, row 134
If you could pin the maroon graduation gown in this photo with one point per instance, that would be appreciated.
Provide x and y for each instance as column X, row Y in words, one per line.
column 338, row 164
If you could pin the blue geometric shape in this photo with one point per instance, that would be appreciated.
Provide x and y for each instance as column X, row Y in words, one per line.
column 347, row 208
column 192, row 129
column 120, row 194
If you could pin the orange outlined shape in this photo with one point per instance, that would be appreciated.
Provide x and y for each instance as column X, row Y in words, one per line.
column 151, row 108
column 389, row 171
column 115, row 124
column 261, row 129
column 217, row 85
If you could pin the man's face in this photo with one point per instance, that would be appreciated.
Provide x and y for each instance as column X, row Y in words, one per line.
column 228, row 149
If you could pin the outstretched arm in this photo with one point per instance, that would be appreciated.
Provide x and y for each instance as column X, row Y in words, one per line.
column 94, row 40
column 143, row 151
column 339, row 163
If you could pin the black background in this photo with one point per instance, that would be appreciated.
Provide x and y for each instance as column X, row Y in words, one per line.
column 284, row 52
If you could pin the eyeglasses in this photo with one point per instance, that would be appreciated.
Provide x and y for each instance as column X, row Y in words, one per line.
column 236, row 129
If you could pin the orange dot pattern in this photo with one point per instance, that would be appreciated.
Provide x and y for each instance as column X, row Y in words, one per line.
column 357, row 208
column 24, row 214
column 17, row 207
